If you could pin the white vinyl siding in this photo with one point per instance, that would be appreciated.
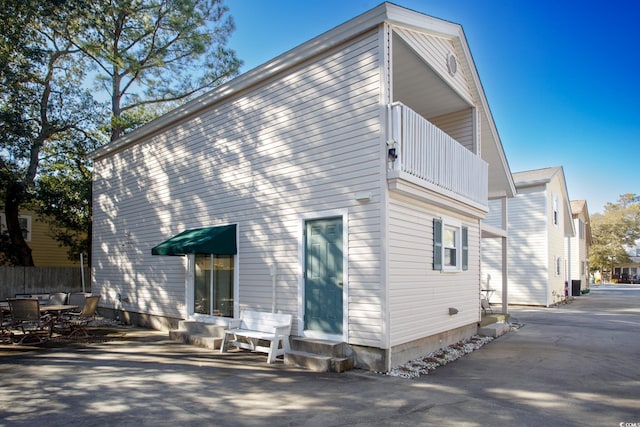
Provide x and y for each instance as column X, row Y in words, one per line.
column 578, row 256
column 529, row 264
column 458, row 125
column 494, row 217
column 491, row 275
column 419, row 295
column 557, row 238
column 435, row 50
column 536, row 246
column 305, row 141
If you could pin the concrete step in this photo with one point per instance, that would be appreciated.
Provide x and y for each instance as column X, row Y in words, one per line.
column 342, row 364
column 488, row 319
column 201, row 328
column 322, row 347
column 319, row 355
column 318, row 362
column 200, row 334
column 203, row 341
column 494, row 330
column 311, row 361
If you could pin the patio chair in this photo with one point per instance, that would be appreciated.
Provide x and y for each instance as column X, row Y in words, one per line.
column 43, row 299
column 484, row 303
column 76, row 323
column 58, row 298
column 5, row 325
column 26, row 318
column 77, row 299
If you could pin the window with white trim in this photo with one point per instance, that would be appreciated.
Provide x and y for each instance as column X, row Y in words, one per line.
column 555, row 210
column 450, row 245
column 213, row 285
column 558, row 262
column 25, row 225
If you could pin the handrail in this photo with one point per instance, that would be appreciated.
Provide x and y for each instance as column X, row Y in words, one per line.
column 426, row 152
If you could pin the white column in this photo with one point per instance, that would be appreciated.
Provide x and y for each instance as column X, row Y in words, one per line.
column 505, row 269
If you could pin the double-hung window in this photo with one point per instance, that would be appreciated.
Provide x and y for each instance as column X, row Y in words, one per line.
column 450, row 245
column 25, row 225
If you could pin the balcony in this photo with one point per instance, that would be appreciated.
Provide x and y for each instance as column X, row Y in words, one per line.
column 428, row 158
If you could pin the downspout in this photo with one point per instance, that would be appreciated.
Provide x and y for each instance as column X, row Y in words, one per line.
column 273, row 270
column 569, row 283
column 386, row 96
column 505, row 256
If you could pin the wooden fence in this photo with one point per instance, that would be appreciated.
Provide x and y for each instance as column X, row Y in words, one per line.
column 35, row 280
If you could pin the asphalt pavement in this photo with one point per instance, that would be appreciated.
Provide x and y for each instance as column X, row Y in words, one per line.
column 576, row 365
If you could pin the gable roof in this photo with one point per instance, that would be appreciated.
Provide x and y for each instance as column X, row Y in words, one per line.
column 577, row 206
column 542, row 177
column 252, row 77
column 535, row 177
column 500, row 179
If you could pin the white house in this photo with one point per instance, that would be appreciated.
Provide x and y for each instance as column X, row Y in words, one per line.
column 577, row 248
column 539, row 221
column 629, row 272
column 343, row 182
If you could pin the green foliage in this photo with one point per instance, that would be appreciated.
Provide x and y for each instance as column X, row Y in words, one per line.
column 63, row 193
column 153, row 53
column 615, row 231
column 148, row 55
column 41, row 101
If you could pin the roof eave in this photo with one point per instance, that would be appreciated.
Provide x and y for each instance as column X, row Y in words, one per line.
column 265, row 71
column 510, row 187
column 386, row 12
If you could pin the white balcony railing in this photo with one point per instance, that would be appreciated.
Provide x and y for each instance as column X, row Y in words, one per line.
column 427, row 153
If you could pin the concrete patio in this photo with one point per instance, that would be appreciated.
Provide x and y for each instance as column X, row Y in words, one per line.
column 573, row 365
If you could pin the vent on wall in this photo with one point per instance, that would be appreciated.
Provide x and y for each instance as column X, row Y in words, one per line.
column 452, row 63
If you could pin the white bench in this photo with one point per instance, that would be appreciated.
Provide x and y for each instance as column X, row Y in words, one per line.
column 259, row 326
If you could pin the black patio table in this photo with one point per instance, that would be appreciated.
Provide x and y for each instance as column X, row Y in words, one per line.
column 57, row 308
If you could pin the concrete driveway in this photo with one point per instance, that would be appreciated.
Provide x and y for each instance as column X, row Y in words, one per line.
column 573, row 365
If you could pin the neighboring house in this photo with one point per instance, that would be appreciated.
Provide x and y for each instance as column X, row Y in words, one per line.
column 494, row 283
column 343, row 182
column 539, row 222
column 45, row 250
column 577, row 248
column 629, row 272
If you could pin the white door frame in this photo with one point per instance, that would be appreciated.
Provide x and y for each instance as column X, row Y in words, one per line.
column 302, row 219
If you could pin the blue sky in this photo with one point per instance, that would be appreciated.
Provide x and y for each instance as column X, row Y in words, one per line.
column 562, row 77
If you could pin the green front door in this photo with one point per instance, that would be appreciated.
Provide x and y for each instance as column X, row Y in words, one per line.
column 323, row 276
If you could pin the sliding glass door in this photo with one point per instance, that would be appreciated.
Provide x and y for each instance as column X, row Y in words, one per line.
column 213, row 285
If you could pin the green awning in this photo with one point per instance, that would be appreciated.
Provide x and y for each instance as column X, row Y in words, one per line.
column 209, row 240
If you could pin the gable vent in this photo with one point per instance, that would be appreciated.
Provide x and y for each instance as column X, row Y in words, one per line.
column 452, row 63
